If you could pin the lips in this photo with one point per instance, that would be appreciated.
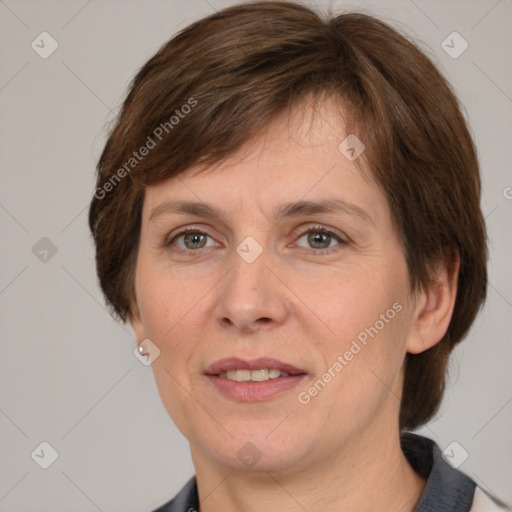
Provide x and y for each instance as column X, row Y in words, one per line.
column 253, row 380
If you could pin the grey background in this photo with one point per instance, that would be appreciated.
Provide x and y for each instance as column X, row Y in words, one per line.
column 68, row 375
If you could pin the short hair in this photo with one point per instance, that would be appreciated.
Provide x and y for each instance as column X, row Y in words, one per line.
column 220, row 81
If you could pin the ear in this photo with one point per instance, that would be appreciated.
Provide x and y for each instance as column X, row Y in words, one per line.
column 434, row 305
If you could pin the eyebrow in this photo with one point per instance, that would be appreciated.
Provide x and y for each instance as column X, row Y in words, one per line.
column 287, row 210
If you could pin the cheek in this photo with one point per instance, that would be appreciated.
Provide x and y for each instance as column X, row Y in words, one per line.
column 368, row 320
column 167, row 302
column 351, row 298
column 367, row 381
column 169, row 312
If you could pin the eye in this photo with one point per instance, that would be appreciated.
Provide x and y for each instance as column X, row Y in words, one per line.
column 319, row 238
column 191, row 239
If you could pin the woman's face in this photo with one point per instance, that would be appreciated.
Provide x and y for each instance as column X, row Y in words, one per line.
column 321, row 294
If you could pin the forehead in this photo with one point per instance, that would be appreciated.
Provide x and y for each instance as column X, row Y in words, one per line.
column 299, row 155
column 311, row 128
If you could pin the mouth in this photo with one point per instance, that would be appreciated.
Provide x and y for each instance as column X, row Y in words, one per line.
column 253, row 380
column 260, row 375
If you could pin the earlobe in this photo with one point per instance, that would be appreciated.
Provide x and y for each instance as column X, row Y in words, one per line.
column 434, row 307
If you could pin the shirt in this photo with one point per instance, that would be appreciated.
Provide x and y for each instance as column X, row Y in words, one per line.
column 447, row 489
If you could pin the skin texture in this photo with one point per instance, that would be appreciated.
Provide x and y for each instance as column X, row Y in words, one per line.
column 341, row 450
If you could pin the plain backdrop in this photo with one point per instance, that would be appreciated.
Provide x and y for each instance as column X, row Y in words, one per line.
column 68, row 375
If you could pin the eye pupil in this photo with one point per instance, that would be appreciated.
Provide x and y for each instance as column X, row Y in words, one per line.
column 319, row 238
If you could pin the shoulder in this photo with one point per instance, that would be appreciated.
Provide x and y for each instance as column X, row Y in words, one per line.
column 482, row 502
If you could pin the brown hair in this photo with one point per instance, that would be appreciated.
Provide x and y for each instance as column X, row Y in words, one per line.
column 219, row 82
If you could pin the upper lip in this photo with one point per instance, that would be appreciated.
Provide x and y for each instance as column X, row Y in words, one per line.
column 235, row 363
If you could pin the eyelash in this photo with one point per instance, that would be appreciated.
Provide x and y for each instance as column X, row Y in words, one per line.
column 313, row 229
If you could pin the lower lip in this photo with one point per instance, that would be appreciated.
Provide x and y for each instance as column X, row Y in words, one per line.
column 254, row 391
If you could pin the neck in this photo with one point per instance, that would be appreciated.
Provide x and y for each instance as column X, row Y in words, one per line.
column 368, row 476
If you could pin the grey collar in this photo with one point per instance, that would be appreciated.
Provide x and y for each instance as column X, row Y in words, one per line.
column 447, row 488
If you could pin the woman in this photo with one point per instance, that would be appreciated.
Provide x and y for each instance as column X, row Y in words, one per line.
column 287, row 212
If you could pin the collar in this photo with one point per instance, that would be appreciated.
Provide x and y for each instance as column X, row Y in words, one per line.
column 447, row 488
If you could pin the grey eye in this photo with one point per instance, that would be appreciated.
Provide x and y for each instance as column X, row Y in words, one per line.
column 319, row 239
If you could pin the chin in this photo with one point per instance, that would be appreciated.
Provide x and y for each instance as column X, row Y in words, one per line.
column 259, row 449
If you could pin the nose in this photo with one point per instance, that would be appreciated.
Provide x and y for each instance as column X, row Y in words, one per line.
column 253, row 297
